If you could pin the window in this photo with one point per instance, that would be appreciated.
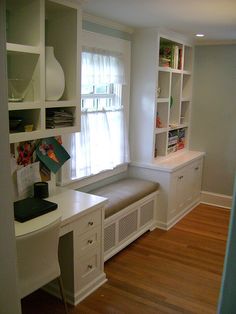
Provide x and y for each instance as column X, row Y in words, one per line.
column 102, row 142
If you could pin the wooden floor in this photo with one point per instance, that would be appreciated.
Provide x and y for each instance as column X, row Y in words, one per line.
column 178, row 271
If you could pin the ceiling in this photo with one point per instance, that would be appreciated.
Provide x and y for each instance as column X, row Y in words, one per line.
column 215, row 18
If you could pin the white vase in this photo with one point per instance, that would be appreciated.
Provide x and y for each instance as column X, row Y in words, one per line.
column 55, row 79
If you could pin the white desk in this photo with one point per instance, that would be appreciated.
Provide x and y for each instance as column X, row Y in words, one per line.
column 81, row 244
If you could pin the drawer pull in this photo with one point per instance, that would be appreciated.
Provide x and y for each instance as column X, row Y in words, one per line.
column 181, row 177
column 196, row 168
column 90, row 241
column 90, row 223
column 90, row 266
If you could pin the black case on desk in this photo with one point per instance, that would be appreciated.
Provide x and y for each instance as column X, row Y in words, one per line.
column 30, row 208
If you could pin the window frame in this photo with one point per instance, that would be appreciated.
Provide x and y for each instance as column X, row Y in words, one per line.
column 114, row 44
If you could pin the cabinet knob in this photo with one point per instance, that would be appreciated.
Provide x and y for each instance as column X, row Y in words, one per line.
column 196, row 168
column 90, row 241
column 90, row 266
column 180, row 177
column 90, row 223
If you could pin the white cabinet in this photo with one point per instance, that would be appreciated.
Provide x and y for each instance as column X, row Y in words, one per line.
column 81, row 254
column 185, row 187
column 31, row 26
column 180, row 185
column 160, row 117
column 89, row 249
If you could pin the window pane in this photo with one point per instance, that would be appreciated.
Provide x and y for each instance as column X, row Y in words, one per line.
column 101, row 89
column 87, row 89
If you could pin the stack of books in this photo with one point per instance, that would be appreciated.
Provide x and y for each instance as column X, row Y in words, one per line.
column 172, row 141
column 170, row 55
column 58, row 118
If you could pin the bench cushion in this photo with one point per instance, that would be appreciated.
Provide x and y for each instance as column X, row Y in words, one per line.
column 124, row 192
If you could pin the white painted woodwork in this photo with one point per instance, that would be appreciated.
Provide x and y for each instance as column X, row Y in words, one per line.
column 180, row 184
column 125, row 226
column 178, row 172
column 81, row 241
column 32, row 25
column 147, row 77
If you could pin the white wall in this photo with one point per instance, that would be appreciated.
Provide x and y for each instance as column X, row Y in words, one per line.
column 9, row 302
column 214, row 115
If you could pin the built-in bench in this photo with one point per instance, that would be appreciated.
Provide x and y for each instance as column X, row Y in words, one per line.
column 129, row 213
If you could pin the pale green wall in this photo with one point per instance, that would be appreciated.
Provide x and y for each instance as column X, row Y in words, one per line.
column 227, row 300
column 214, row 115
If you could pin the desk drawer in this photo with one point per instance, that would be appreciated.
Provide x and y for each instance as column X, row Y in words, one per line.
column 88, row 241
column 89, row 221
column 89, row 267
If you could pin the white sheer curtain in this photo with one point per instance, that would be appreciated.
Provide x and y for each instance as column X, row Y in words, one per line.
column 102, row 143
column 102, row 67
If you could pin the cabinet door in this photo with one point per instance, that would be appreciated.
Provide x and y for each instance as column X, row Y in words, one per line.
column 178, row 192
column 194, row 180
column 185, row 187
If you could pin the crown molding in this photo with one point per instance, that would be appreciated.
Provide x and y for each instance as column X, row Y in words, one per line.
column 106, row 22
column 215, row 42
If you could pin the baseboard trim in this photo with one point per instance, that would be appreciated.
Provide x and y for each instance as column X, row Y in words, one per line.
column 215, row 199
column 169, row 224
column 76, row 297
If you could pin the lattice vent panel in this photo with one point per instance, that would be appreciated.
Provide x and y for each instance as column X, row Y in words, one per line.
column 146, row 213
column 128, row 225
column 109, row 237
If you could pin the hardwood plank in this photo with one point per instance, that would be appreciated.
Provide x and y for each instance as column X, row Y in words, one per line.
column 178, row 271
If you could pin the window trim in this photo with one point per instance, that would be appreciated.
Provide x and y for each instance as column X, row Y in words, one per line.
column 92, row 39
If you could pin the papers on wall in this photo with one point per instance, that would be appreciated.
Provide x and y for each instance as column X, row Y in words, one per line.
column 26, row 177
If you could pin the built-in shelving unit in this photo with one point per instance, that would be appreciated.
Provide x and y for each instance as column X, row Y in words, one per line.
column 174, row 84
column 160, row 121
column 31, row 26
column 161, row 93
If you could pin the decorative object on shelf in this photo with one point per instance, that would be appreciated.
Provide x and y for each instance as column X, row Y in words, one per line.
column 55, row 79
column 14, row 123
column 18, row 88
column 29, row 127
column 158, row 121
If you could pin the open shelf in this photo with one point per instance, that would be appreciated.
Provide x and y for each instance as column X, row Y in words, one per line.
column 187, row 86
column 163, row 89
column 17, row 48
column 170, row 54
column 175, row 98
column 188, row 56
column 23, row 75
column 162, row 115
column 160, row 145
column 185, row 112
column 23, row 22
column 27, row 117
column 62, row 117
column 61, row 33
column 31, row 25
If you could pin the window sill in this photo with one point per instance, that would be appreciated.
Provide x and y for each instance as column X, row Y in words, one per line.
column 82, row 183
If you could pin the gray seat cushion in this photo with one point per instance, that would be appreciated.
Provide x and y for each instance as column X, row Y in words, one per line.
column 124, row 192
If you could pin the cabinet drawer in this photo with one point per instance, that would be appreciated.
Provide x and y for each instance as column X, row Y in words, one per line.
column 89, row 267
column 88, row 241
column 89, row 221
